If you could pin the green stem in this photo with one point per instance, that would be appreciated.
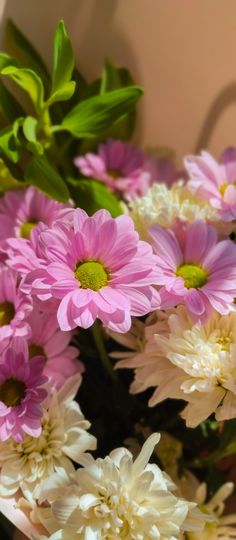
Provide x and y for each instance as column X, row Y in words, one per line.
column 98, row 338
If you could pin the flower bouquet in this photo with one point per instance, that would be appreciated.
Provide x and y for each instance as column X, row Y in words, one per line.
column 117, row 315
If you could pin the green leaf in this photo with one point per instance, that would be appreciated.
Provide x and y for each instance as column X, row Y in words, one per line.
column 29, row 126
column 40, row 173
column 92, row 195
column 26, row 54
column 8, row 143
column 7, row 181
column 9, row 106
column 6, row 60
column 29, row 81
column 63, row 59
column 92, row 116
column 110, row 78
column 62, row 94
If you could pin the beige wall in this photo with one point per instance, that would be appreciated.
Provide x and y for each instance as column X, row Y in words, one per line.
column 182, row 51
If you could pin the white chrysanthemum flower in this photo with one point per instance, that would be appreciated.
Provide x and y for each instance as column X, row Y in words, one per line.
column 220, row 527
column 116, row 497
column 64, row 438
column 161, row 206
column 182, row 360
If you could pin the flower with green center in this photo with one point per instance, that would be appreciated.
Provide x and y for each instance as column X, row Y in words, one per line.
column 12, row 391
column 195, row 269
column 194, row 276
column 7, row 313
column 91, row 275
column 26, row 229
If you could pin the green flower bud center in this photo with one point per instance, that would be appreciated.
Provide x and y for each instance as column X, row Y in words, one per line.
column 12, row 391
column 194, row 276
column 35, row 350
column 115, row 173
column 91, row 275
column 7, row 312
column 26, row 228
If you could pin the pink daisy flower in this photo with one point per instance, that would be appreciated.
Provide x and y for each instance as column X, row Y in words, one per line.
column 21, row 394
column 21, row 210
column 214, row 181
column 162, row 169
column 97, row 269
column 47, row 340
column 15, row 306
column 119, row 165
column 24, row 255
column 195, row 269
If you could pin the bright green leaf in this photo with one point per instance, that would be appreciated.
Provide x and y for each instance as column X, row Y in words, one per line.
column 92, row 116
column 9, row 106
column 92, row 195
column 8, row 144
column 30, row 132
column 7, row 181
column 62, row 94
column 6, row 60
column 40, row 173
column 24, row 51
column 29, row 81
column 63, row 59
column 110, row 78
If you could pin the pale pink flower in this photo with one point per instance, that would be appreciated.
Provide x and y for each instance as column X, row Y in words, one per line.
column 21, row 394
column 195, row 269
column 97, row 269
column 21, row 210
column 15, row 306
column 47, row 340
column 162, row 169
column 215, row 181
column 118, row 165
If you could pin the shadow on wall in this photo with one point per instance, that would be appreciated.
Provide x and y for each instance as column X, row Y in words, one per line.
column 226, row 97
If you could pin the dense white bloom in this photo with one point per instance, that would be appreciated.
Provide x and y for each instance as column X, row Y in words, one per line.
column 161, row 206
column 64, row 438
column 116, row 497
column 182, row 360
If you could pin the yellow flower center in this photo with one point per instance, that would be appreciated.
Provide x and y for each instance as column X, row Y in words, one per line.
column 223, row 187
column 225, row 340
column 26, row 229
column 12, row 391
column 194, row 276
column 35, row 350
column 115, row 173
column 91, row 275
column 7, row 313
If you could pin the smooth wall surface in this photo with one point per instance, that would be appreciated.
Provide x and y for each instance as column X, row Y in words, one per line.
column 182, row 51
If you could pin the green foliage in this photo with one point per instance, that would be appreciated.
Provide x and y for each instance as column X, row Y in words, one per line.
column 92, row 195
column 7, row 181
column 9, row 144
column 41, row 174
column 94, row 115
column 63, row 65
column 9, row 106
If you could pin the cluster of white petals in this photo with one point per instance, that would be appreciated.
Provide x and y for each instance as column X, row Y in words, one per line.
column 64, row 438
column 162, row 206
column 181, row 360
column 116, row 497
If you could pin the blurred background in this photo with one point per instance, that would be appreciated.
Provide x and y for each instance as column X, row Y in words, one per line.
column 182, row 52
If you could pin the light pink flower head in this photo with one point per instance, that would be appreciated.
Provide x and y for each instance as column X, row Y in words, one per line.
column 47, row 340
column 15, row 306
column 21, row 394
column 97, row 269
column 119, row 166
column 162, row 169
column 215, row 181
column 21, row 210
column 195, row 269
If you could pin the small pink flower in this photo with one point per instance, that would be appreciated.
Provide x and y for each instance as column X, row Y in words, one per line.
column 21, row 394
column 24, row 255
column 214, row 181
column 97, row 269
column 47, row 340
column 119, row 166
column 15, row 306
column 162, row 169
column 21, row 210
column 195, row 269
